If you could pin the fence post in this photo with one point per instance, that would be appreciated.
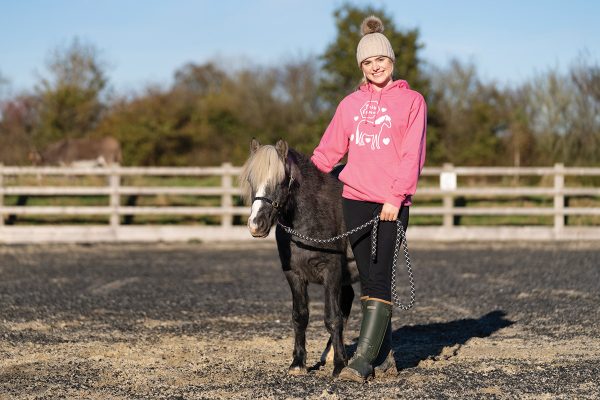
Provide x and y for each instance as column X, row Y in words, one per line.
column 1, row 193
column 559, row 200
column 114, row 183
column 226, row 198
column 448, row 184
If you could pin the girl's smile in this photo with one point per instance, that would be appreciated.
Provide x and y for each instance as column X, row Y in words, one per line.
column 378, row 70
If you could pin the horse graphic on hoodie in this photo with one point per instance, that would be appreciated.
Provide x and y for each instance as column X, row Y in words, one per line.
column 369, row 128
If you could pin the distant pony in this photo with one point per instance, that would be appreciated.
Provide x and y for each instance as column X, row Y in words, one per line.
column 84, row 152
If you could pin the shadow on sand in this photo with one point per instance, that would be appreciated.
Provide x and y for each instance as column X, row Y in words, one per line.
column 413, row 344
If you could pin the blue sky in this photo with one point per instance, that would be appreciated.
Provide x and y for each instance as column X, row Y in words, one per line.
column 145, row 41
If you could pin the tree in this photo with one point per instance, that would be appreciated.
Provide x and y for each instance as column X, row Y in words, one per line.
column 339, row 60
column 71, row 96
column 18, row 118
column 583, row 139
column 3, row 84
column 199, row 79
column 515, row 132
column 304, row 112
column 467, row 112
column 562, row 112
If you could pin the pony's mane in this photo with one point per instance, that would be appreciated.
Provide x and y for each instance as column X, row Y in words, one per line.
column 263, row 167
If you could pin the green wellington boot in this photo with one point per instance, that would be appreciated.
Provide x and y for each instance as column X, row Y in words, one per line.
column 376, row 318
column 385, row 360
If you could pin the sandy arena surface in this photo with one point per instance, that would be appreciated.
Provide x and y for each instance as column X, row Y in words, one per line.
column 203, row 321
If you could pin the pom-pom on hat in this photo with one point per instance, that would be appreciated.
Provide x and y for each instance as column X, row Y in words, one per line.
column 373, row 42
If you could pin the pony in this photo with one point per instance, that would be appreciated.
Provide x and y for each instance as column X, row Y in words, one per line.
column 283, row 185
column 81, row 152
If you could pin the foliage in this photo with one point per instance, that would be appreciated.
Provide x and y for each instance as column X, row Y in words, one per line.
column 563, row 111
column 70, row 97
column 468, row 112
column 18, row 119
column 208, row 116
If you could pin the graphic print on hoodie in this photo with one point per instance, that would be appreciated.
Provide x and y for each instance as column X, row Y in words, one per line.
column 383, row 133
column 364, row 133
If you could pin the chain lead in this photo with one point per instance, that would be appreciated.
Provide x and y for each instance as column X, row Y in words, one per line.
column 400, row 238
column 374, row 238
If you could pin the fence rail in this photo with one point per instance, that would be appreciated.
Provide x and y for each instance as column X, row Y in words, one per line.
column 448, row 191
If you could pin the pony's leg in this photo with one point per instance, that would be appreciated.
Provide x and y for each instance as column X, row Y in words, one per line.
column 300, row 321
column 334, row 322
column 346, row 298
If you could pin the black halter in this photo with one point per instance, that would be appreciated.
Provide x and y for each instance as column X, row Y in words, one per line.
column 274, row 203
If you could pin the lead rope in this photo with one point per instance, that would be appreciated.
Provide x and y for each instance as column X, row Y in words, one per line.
column 400, row 237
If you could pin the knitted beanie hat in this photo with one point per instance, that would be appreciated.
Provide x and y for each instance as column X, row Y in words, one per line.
column 373, row 42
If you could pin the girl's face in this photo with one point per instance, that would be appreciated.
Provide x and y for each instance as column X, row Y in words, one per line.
column 378, row 70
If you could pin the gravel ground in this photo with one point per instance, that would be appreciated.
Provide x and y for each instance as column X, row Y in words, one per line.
column 200, row 321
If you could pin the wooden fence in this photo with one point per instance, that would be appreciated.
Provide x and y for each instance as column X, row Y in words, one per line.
column 448, row 191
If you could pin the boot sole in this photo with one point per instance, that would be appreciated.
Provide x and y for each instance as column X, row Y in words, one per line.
column 348, row 375
column 388, row 366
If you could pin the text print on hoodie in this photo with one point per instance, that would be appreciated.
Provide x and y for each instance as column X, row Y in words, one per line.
column 384, row 135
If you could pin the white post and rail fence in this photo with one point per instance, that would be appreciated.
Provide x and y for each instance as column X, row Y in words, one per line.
column 448, row 215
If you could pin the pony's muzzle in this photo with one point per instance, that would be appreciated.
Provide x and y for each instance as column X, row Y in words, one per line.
column 259, row 229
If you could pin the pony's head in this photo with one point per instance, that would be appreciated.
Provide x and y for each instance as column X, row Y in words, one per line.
column 265, row 185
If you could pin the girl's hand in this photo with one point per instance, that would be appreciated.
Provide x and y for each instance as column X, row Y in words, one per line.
column 389, row 212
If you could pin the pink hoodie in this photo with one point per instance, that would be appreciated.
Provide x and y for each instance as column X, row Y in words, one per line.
column 384, row 135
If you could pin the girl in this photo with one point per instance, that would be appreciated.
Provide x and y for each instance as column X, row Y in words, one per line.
column 382, row 127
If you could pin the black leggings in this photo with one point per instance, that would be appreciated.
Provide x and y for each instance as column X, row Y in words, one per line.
column 375, row 276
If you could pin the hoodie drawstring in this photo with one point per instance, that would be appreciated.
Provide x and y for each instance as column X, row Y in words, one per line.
column 378, row 106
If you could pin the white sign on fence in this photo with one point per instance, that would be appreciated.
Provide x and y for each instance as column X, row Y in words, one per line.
column 448, row 180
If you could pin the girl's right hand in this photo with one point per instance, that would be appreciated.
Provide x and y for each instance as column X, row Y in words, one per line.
column 389, row 212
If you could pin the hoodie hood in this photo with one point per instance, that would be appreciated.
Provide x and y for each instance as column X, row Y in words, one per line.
column 397, row 84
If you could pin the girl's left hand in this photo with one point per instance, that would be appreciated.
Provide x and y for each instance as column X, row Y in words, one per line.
column 389, row 212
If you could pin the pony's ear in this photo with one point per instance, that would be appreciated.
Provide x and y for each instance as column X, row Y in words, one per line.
column 282, row 149
column 34, row 156
column 254, row 145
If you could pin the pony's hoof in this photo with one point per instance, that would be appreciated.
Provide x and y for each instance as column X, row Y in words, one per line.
column 337, row 371
column 297, row 371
